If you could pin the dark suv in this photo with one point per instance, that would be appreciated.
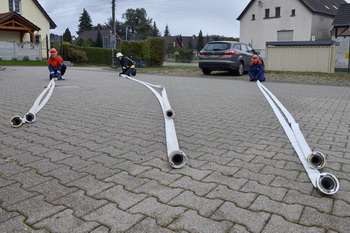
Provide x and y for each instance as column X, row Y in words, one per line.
column 226, row 55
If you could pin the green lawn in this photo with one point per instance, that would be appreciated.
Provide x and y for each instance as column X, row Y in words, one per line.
column 23, row 63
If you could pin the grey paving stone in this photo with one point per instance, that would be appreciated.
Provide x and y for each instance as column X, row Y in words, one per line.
column 164, row 213
column 100, row 229
column 323, row 204
column 278, row 224
column 238, row 229
column 36, row 208
column 65, row 174
column 65, row 221
column 99, row 171
column 128, row 181
column 114, row 218
column 241, row 199
column 75, row 162
column 17, row 224
column 229, row 211
column 269, row 170
column 204, row 206
column 262, row 179
column 43, row 165
column 148, row 225
column 162, row 192
column 192, row 222
column 311, row 217
column 197, row 174
column 131, row 167
column 5, row 182
column 225, row 170
column 106, row 160
column 291, row 213
column 303, row 187
column 13, row 193
column 11, row 169
column 274, row 193
column 341, row 208
column 6, row 215
column 90, row 184
column 81, row 203
column 199, row 188
column 52, row 190
column 117, row 194
column 160, row 176
column 232, row 182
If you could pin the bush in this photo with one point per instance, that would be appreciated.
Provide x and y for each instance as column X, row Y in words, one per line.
column 14, row 59
column 76, row 55
column 155, row 51
column 25, row 58
column 183, row 55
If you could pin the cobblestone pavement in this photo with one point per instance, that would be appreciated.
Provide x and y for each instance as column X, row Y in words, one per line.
column 95, row 160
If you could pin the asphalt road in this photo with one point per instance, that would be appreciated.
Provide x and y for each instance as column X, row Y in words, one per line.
column 95, row 159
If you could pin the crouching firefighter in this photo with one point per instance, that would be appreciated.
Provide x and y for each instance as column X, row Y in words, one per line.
column 128, row 65
column 256, row 69
column 56, row 65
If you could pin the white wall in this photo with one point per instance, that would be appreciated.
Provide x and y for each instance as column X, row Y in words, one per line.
column 259, row 31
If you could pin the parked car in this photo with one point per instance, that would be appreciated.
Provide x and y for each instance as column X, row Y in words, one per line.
column 226, row 55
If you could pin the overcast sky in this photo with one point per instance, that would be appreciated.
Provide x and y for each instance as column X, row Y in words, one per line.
column 185, row 17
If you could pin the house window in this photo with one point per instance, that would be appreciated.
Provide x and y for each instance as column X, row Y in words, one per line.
column 267, row 13
column 293, row 13
column 14, row 5
column 253, row 16
column 37, row 39
column 285, row 35
column 278, row 12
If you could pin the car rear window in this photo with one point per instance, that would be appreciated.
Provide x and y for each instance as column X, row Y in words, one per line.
column 217, row 46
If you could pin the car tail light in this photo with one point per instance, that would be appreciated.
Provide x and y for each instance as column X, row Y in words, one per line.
column 202, row 53
column 229, row 53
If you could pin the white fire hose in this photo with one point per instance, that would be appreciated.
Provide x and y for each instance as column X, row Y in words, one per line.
column 176, row 157
column 327, row 183
column 30, row 116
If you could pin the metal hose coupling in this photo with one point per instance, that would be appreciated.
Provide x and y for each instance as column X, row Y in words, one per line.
column 177, row 159
column 30, row 117
column 16, row 121
column 327, row 183
column 316, row 160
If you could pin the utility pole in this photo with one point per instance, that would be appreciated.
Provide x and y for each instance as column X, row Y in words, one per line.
column 114, row 30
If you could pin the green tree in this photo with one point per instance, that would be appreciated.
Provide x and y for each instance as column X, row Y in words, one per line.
column 67, row 37
column 200, row 44
column 89, row 42
column 85, row 22
column 99, row 41
column 80, row 42
column 166, row 31
column 155, row 31
column 138, row 22
column 120, row 28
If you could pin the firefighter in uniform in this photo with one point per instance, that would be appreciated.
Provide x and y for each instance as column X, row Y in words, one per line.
column 56, row 65
column 128, row 66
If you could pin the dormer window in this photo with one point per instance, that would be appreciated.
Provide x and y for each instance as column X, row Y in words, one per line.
column 14, row 5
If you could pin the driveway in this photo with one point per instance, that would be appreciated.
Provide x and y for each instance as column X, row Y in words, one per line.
column 95, row 159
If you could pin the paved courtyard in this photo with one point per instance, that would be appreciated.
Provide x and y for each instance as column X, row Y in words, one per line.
column 95, row 160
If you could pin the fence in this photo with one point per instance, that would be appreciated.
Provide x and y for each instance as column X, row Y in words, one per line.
column 14, row 50
column 305, row 56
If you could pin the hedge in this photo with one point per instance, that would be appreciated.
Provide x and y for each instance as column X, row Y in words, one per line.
column 151, row 50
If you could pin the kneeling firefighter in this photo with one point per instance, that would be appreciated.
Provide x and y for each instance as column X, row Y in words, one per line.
column 128, row 65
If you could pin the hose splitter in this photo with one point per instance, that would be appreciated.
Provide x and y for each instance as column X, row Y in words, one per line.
column 176, row 157
column 30, row 117
column 326, row 183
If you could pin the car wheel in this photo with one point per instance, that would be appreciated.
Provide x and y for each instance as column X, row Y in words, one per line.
column 240, row 69
column 206, row 71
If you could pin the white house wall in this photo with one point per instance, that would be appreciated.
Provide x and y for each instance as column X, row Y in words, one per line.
column 319, row 23
column 257, row 32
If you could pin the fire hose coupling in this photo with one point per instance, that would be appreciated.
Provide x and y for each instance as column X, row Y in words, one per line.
column 177, row 159
column 316, row 160
column 30, row 117
column 16, row 121
column 169, row 113
column 327, row 183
